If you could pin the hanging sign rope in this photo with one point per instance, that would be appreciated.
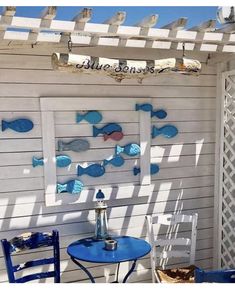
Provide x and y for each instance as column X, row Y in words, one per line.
column 123, row 69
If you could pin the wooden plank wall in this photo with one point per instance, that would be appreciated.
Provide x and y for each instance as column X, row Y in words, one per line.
column 184, row 183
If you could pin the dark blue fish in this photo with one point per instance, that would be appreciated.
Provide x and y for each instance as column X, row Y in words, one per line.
column 144, row 107
column 20, row 125
column 72, row 186
column 154, row 168
column 92, row 117
column 131, row 149
column 61, row 161
column 160, row 114
column 167, row 131
column 116, row 161
column 107, row 129
column 77, row 145
column 93, row 170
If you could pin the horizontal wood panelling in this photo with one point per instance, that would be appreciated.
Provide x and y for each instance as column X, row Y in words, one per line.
column 184, row 184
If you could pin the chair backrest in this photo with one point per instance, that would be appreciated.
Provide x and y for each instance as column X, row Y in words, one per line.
column 170, row 220
column 217, row 276
column 28, row 241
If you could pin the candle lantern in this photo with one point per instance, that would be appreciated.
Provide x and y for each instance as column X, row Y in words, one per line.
column 101, row 226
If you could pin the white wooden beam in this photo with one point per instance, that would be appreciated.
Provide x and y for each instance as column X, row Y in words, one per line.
column 176, row 25
column 9, row 11
column 205, row 26
column 116, row 20
column 229, row 28
column 83, row 16
column 148, row 22
column 49, row 13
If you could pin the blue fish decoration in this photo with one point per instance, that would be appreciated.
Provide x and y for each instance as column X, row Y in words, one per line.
column 167, row 131
column 61, row 161
column 154, row 168
column 144, row 107
column 93, row 170
column 116, row 161
column 107, row 129
column 92, row 117
column 72, row 186
column 20, row 125
column 131, row 149
column 77, row 145
column 160, row 114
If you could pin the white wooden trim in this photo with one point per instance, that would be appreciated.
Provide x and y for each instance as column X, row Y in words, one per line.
column 48, row 140
column 145, row 145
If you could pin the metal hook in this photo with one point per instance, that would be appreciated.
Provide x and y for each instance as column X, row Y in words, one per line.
column 70, row 44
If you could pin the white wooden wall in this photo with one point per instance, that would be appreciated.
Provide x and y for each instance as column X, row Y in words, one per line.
column 184, row 183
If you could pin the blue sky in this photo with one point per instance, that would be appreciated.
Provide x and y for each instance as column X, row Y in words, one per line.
column 195, row 14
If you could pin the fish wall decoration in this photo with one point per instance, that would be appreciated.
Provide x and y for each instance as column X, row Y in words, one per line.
column 131, row 149
column 61, row 161
column 159, row 113
column 167, row 131
column 144, row 107
column 107, row 129
column 115, row 161
column 93, row 170
column 92, row 117
column 19, row 125
column 114, row 136
column 72, row 187
column 154, row 168
column 77, row 145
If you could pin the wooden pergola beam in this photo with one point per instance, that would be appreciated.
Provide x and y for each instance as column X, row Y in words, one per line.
column 229, row 28
column 148, row 22
column 83, row 16
column 177, row 24
column 49, row 13
column 9, row 11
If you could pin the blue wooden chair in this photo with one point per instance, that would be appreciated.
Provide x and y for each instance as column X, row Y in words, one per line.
column 28, row 241
column 217, row 276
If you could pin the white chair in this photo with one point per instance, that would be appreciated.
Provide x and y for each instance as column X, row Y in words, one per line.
column 157, row 243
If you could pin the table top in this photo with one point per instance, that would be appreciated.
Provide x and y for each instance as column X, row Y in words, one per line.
column 90, row 250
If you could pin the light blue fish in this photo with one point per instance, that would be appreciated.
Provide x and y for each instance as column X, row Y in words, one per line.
column 107, row 129
column 154, row 168
column 144, row 107
column 116, row 161
column 167, row 131
column 61, row 161
column 19, row 125
column 77, row 145
column 131, row 149
column 92, row 117
column 160, row 114
column 93, row 170
column 72, row 186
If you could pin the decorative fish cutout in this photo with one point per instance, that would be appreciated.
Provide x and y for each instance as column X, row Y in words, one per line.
column 167, row 131
column 160, row 114
column 144, row 107
column 131, row 149
column 20, row 125
column 73, row 186
column 116, row 161
column 93, row 170
column 107, row 129
column 92, row 117
column 61, row 161
column 114, row 136
column 154, row 168
column 77, row 145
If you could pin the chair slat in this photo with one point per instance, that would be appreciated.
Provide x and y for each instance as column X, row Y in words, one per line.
column 31, row 277
column 169, row 219
column 173, row 241
column 33, row 263
column 173, row 254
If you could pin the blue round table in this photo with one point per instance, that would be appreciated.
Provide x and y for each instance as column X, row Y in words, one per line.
column 90, row 250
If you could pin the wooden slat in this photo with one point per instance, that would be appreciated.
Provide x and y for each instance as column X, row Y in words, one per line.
column 205, row 26
column 9, row 11
column 83, row 16
column 49, row 13
column 148, row 22
column 117, row 19
column 176, row 25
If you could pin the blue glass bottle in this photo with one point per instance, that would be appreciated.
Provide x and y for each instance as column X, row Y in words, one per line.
column 101, row 225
